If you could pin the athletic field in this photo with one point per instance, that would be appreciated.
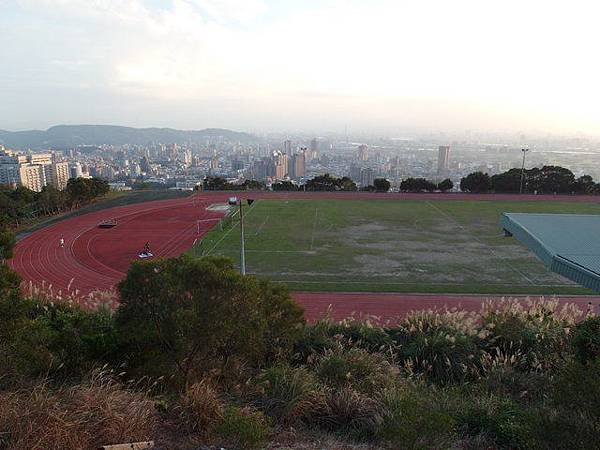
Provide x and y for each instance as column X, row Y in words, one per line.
column 385, row 245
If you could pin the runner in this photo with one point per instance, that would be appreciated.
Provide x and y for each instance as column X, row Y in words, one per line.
column 61, row 243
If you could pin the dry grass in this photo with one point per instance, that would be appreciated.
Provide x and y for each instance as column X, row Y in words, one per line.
column 97, row 412
column 95, row 300
column 200, row 408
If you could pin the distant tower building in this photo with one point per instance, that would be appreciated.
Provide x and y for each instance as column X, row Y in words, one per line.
column 280, row 165
column 443, row 159
column 287, row 147
column 32, row 176
column 298, row 165
column 76, row 171
column 363, row 152
column 57, row 175
column 367, row 177
column 313, row 150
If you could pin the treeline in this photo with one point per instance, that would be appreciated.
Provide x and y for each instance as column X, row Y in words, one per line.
column 221, row 184
column 208, row 356
column 22, row 204
column 547, row 180
column 324, row 182
column 424, row 185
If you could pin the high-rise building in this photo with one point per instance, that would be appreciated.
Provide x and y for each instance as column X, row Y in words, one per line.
column 298, row 165
column 57, row 174
column 40, row 158
column 287, row 147
column 363, row 152
column 32, row 176
column 76, row 171
column 280, row 165
column 313, row 150
column 443, row 159
column 367, row 177
column 33, row 171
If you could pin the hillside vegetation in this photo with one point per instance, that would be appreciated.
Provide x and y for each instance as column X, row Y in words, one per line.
column 197, row 354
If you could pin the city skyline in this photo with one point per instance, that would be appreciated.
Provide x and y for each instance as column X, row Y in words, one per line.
column 266, row 65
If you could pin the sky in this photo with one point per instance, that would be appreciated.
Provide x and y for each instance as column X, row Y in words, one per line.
column 272, row 65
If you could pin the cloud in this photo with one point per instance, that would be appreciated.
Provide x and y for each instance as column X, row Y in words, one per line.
column 379, row 59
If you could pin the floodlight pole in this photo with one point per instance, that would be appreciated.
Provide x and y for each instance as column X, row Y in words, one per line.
column 242, row 247
column 524, row 150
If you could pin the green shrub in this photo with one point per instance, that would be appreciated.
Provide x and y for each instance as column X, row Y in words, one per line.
column 586, row 339
column 501, row 419
column 536, row 332
column 577, row 388
column 355, row 368
column 203, row 315
column 412, row 418
column 314, row 340
column 41, row 338
column 441, row 346
column 363, row 334
column 343, row 411
column 283, row 390
column 555, row 428
column 243, row 428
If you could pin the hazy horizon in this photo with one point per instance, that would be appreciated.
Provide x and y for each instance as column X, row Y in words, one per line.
column 273, row 65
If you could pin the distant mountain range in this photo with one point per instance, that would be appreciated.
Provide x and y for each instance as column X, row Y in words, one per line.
column 65, row 136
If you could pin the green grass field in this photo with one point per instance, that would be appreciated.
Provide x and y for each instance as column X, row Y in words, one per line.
column 397, row 246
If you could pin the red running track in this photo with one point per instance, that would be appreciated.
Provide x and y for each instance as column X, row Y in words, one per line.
column 96, row 259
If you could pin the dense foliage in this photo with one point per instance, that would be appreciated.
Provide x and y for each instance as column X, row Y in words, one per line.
column 424, row 185
column 21, row 204
column 547, row 180
column 221, row 184
column 230, row 361
column 330, row 183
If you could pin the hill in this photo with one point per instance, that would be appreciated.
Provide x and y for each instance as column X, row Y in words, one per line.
column 74, row 135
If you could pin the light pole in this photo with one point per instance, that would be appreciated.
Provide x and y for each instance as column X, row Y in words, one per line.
column 242, row 246
column 234, row 201
column 524, row 150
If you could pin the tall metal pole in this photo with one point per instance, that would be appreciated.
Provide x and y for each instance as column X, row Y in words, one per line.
column 524, row 150
column 242, row 249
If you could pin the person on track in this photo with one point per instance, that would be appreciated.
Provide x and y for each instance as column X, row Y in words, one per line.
column 61, row 243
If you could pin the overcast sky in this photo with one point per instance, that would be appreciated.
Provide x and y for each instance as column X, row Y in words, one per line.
column 302, row 64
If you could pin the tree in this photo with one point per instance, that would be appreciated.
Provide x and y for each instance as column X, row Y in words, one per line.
column 216, row 184
column 284, row 186
column 7, row 242
column 509, row 182
column 381, row 184
column 346, row 184
column 417, row 185
column 253, row 185
column 585, row 185
column 476, row 182
column 189, row 316
column 556, row 179
column 329, row 183
column 445, row 185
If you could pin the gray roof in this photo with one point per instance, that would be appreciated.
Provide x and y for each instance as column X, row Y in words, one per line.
column 569, row 244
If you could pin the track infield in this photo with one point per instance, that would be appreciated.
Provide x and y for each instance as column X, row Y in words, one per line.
column 427, row 246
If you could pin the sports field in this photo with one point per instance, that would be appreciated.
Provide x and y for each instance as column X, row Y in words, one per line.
column 382, row 245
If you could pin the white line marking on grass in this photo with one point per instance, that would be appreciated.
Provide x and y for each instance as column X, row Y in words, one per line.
column 474, row 236
column 230, row 230
column 261, row 226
